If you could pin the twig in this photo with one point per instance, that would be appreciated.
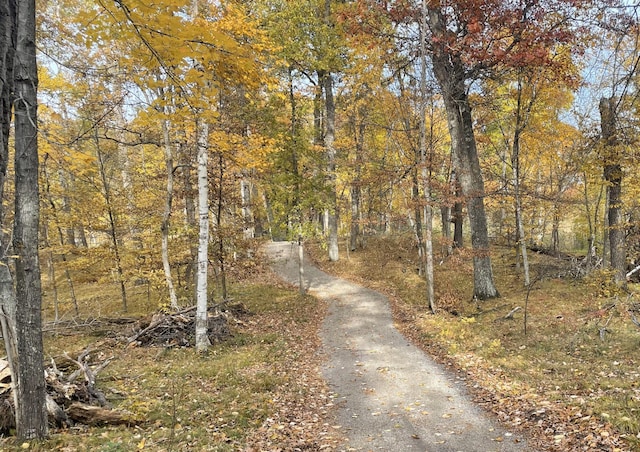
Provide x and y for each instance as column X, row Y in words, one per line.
column 604, row 329
column 513, row 311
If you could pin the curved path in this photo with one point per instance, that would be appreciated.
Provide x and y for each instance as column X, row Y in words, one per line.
column 390, row 395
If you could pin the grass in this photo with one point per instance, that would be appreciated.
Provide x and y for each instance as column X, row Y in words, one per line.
column 261, row 387
column 590, row 382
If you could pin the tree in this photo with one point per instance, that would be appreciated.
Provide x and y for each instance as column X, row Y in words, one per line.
column 613, row 177
column 468, row 41
column 21, row 309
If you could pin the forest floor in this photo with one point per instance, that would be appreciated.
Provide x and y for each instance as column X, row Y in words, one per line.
column 565, row 375
column 562, row 368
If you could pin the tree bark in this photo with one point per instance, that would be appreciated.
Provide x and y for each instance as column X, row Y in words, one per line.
column 613, row 176
column 330, row 151
column 8, row 17
column 31, row 413
column 451, row 77
column 166, row 216
column 425, row 163
column 201, row 323
column 458, row 217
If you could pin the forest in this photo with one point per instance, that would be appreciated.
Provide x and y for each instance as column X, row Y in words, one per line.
column 174, row 137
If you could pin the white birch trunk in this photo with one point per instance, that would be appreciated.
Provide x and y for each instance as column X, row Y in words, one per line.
column 202, row 338
column 426, row 183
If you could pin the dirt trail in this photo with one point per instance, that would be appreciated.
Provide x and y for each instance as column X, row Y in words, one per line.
column 390, row 395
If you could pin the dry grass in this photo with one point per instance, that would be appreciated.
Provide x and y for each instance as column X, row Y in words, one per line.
column 573, row 377
column 260, row 390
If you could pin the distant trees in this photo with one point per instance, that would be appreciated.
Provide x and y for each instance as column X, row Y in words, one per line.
column 383, row 112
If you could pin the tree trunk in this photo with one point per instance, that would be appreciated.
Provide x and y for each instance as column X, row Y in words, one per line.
column 111, row 216
column 293, row 136
column 190, row 220
column 221, row 253
column 8, row 303
column 417, row 218
column 202, row 337
column 555, row 230
column 31, row 413
column 330, row 151
column 166, row 216
column 425, row 163
column 457, row 213
column 450, row 75
column 356, row 188
column 247, row 211
column 613, row 176
column 515, row 168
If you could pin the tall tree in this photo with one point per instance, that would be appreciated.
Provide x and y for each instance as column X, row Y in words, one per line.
column 613, row 177
column 468, row 40
column 21, row 309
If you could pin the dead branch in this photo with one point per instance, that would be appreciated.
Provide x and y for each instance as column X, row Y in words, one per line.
column 69, row 398
column 510, row 314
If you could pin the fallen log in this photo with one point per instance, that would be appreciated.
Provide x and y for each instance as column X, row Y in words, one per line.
column 95, row 415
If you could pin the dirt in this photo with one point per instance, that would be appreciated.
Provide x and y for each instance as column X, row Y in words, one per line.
column 389, row 395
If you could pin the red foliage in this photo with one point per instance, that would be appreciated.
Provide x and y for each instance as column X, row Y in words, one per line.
column 481, row 33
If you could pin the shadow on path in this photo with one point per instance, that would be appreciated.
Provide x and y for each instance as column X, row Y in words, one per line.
column 390, row 395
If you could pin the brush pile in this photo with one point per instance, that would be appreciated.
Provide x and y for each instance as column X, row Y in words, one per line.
column 72, row 397
column 177, row 329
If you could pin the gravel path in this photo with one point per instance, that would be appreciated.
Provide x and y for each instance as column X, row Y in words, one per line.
column 390, row 395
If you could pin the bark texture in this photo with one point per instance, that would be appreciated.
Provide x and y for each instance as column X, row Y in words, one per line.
column 202, row 339
column 613, row 176
column 31, row 414
column 451, row 77
column 330, row 151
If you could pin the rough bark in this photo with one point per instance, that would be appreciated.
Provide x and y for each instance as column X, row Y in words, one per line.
column 31, row 413
column 613, row 176
column 451, row 77
column 7, row 294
